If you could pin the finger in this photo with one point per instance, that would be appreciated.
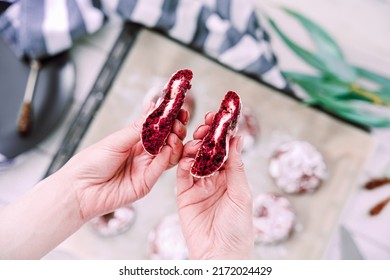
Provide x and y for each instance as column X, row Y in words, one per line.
column 158, row 165
column 179, row 129
column 177, row 149
column 184, row 116
column 201, row 131
column 184, row 180
column 122, row 140
column 209, row 117
column 191, row 148
column 237, row 182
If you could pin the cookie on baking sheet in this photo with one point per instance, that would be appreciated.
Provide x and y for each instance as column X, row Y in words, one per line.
column 115, row 222
column 273, row 218
column 166, row 240
column 297, row 167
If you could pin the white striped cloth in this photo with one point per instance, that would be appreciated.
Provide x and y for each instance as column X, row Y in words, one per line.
column 226, row 30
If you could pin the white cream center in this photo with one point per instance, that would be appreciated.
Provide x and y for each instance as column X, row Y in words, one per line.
column 174, row 92
column 225, row 118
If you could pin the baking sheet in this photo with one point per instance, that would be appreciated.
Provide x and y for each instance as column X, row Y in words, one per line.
column 153, row 59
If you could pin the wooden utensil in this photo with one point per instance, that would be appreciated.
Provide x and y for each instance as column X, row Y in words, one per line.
column 26, row 114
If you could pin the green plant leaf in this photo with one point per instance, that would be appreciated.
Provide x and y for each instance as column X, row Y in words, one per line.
column 307, row 56
column 344, row 109
column 384, row 95
column 370, row 120
column 329, row 86
column 339, row 69
column 328, row 65
column 338, row 89
column 323, row 41
column 353, row 97
column 376, row 97
column 383, row 81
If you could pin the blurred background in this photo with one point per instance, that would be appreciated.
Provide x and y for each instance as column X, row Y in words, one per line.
column 360, row 28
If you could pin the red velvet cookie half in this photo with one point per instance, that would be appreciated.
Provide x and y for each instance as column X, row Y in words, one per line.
column 158, row 124
column 215, row 145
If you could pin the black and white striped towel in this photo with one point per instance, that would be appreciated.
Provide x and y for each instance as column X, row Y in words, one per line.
column 227, row 30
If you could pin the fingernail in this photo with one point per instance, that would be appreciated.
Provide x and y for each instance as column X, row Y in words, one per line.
column 196, row 142
column 175, row 139
column 187, row 117
column 196, row 130
column 239, row 144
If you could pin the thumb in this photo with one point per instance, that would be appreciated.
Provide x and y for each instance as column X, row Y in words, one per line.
column 184, row 179
column 122, row 140
column 235, row 172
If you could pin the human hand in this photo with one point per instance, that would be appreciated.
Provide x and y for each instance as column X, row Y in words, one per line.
column 215, row 212
column 117, row 170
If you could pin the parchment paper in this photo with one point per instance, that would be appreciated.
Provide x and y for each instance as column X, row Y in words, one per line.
column 154, row 59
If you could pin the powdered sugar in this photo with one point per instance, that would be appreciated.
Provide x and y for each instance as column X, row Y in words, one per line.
column 273, row 218
column 297, row 167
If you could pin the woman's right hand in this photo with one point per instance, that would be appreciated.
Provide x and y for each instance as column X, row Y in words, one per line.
column 215, row 212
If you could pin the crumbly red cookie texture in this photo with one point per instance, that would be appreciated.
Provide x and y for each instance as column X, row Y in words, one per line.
column 158, row 124
column 273, row 218
column 215, row 145
column 154, row 95
column 297, row 167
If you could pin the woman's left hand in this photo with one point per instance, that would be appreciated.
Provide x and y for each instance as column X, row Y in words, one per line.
column 117, row 170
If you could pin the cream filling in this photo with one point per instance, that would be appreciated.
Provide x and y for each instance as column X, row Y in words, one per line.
column 168, row 108
column 174, row 93
column 225, row 118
